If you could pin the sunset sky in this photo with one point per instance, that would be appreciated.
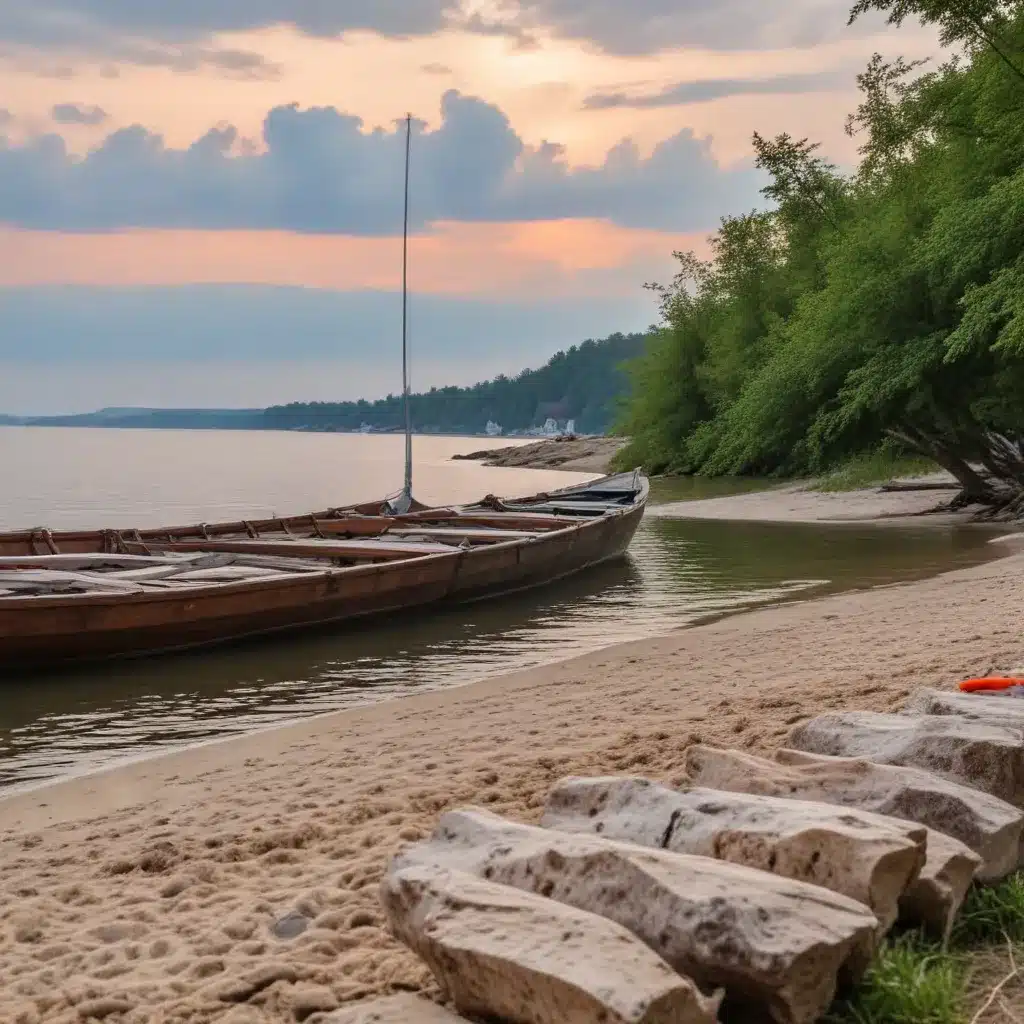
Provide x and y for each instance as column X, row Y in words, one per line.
column 200, row 200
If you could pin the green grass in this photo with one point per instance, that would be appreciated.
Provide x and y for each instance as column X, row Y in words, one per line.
column 914, row 981
column 911, row 981
column 871, row 470
column 992, row 915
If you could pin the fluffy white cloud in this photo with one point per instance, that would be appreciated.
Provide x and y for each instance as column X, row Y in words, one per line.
column 321, row 171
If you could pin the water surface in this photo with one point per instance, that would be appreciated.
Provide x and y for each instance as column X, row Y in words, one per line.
column 677, row 572
column 65, row 478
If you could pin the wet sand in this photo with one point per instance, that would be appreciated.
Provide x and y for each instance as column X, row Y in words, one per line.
column 150, row 893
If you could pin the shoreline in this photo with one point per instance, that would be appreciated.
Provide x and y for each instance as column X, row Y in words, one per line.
column 801, row 503
column 760, row 506
column 156, row 885
column 1012, row 548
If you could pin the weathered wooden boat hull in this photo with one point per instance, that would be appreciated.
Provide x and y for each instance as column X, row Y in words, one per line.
column 60, row 630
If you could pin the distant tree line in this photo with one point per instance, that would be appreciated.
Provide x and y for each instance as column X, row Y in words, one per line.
column 881, row 309
column 149, row 419
column 583, row 383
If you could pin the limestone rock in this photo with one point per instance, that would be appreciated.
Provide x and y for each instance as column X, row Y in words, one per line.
column 864, row 856
column 991, row 827
column 400, row 1009
column 935, row 898
column 520, row 958
column 984, row 756
column 770, row 942
column 995, row 707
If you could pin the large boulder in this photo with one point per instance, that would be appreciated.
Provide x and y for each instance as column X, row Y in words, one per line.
column 934, row 899
column 770, row 942
column 992, row 828
column 503, row 954
column 996, row 707
column 400, row 1009
column 864, row 856
column 978, row 754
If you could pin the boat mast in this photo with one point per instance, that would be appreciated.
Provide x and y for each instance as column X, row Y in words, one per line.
column 407, row 488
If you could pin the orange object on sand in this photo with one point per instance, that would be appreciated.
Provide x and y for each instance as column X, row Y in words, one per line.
column 990, row 683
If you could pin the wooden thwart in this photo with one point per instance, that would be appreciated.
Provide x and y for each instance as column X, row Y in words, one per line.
column 350, row 550
column 457, row 534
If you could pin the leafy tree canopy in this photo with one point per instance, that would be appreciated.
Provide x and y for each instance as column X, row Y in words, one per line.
column 884, row 307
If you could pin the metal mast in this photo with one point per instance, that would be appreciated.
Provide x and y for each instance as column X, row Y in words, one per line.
column 407, row 488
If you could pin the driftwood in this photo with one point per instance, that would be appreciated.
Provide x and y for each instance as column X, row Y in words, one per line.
column 896, row 486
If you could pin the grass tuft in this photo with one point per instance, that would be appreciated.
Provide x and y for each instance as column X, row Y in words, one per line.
column 914, row 981
column 911, row 981
column 992, row 914
column 873, row 469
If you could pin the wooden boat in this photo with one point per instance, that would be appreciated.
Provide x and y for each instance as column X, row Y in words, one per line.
column 77, row 596
column 74, row 596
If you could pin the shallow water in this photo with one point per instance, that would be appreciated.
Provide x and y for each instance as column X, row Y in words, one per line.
column 677, row 572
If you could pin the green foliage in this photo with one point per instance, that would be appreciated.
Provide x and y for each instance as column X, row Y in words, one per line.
column 910, row 982
column 974, row 23
column 914, row 981
column 887, row 305
column 873, row 468
column 583, row 383
column 992, row 914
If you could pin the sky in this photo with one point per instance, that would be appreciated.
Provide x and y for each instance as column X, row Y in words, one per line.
column 201, row 201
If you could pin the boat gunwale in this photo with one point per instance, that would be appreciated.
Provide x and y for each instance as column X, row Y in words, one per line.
column 310, row 519
column 287, row 580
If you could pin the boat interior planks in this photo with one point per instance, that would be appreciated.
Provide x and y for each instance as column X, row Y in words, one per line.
column 73, row 596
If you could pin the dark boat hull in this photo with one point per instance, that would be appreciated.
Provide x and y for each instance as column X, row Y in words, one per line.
column 47, row 632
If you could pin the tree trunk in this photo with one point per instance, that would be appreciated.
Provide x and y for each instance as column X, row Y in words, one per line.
column 1003, row 460
column 974, row 485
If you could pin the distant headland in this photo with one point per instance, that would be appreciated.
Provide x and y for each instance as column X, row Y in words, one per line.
column 577, row 390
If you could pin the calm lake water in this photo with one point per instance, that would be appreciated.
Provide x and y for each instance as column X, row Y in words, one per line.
column 677, row 572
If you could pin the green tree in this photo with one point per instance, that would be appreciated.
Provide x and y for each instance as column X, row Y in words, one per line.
column 886, row 307
column 584, row 383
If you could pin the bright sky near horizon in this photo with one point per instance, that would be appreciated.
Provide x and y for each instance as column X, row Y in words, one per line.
column 200, row 200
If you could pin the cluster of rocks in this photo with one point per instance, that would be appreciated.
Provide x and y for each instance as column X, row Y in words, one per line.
column 764, row 883
column 583, row 454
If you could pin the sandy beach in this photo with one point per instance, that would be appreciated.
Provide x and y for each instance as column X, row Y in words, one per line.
column 800, row 503
column 150, row 893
